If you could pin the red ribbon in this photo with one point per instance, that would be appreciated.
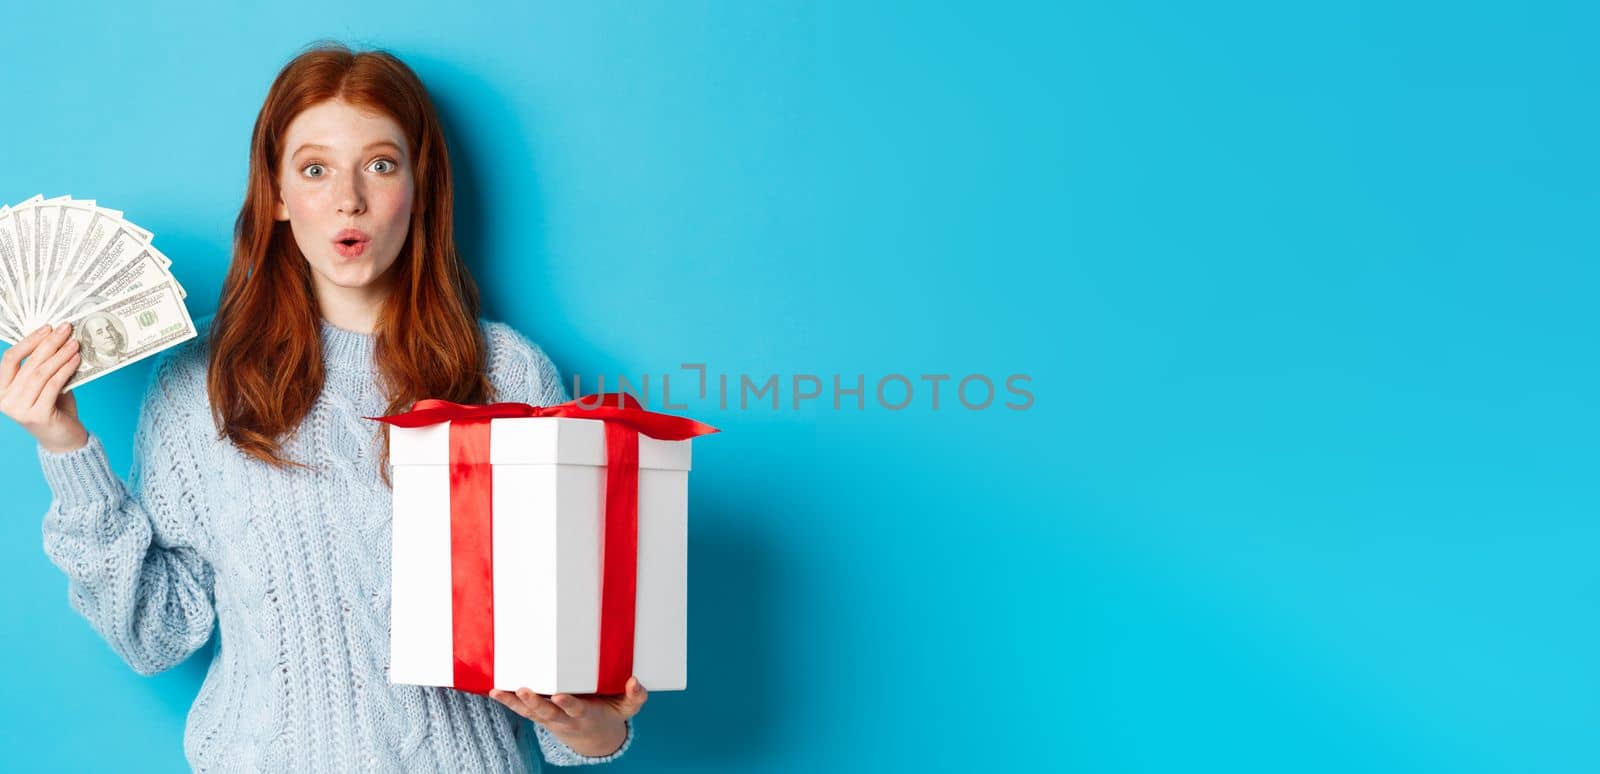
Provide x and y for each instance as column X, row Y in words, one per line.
column 471, row 522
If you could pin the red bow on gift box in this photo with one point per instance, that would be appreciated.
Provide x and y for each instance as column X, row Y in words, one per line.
column 471, row 522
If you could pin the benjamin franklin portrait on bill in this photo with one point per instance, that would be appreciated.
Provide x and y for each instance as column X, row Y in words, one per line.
column 101, row 340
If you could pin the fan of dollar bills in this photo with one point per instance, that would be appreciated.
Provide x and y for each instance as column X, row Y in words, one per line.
column 66, row 260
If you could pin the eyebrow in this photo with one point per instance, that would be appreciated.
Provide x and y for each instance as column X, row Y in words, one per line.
column 370, row 146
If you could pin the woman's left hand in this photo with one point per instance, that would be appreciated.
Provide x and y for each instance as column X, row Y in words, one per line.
column 591, row 724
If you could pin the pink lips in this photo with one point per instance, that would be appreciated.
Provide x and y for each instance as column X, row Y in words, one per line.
column 351, row 242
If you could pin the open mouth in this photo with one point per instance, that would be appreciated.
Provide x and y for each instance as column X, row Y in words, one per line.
column 350, row 242
column 350, row 248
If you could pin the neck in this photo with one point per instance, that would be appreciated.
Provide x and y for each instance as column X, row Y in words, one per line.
column 352, row 309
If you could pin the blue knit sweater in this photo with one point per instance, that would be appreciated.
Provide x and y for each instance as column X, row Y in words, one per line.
column 291, row 565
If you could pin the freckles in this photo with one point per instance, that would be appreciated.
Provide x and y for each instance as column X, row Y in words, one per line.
column 295, row 199
column 397, row 204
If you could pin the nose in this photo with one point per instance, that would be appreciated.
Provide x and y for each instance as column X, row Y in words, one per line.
column 352, row 200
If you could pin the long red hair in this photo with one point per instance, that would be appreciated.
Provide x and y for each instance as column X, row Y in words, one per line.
column 266, row 346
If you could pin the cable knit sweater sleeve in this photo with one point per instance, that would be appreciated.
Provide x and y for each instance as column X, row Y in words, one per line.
column 524, row 373
column 129, row 551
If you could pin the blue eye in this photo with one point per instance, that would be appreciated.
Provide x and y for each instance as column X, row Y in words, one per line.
column 387, row 166
column 313, row 170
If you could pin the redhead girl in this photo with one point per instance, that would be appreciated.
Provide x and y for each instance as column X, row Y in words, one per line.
column 258, row 501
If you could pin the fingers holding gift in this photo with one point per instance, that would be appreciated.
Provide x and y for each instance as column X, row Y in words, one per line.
column 635, row 698
column 511, row 700
column 533, row 706
column 628, row 703
column 545, row 710
column 573, row 706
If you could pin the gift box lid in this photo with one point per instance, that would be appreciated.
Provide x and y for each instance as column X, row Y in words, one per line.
column 533, row 441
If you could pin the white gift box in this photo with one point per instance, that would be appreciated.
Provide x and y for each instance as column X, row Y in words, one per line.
column 548, row 523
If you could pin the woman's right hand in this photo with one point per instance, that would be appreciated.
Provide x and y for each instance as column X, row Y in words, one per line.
column 32, row 374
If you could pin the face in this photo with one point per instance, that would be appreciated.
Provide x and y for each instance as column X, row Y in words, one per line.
column 345, row 186
column 103, row 335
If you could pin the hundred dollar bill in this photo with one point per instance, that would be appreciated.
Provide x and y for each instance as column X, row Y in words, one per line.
column 60, row 257
column 120, row 248
column 78, row 275
column 143, row 234
column 95, row 234
column 23, row 215
column 47, row 214
column 70, row 227
column 148, row 268
column 10, row 278
column 129, row 329
column 44, row 221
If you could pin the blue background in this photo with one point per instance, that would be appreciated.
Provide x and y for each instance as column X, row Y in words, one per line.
column 1306, row 293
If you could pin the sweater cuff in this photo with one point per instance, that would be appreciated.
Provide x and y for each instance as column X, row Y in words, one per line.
column 585, row 760
column 80, row 476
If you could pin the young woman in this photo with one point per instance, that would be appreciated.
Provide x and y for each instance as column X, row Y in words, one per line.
column 258, row 499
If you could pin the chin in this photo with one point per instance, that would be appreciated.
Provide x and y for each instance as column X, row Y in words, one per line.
column 352, row 277
column 355, row 282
